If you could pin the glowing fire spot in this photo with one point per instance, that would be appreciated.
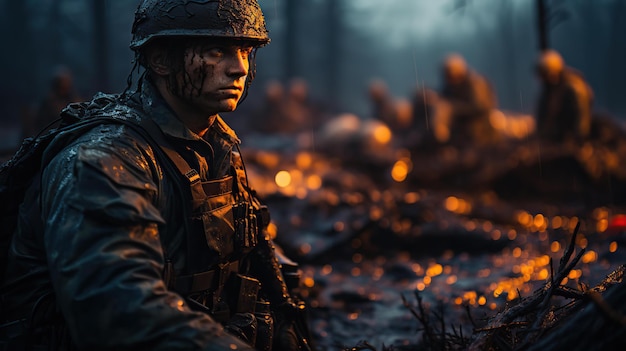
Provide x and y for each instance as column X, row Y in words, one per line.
column 511, row 234
column 309, row 282
column 314, row 182
column 411, row 198
column 613, row 246
column 602, row 225
column 590, row 256
column 575, row 274
column 304, row 160
column 434, row 270
column 557, row 222
column 283, row 179
column 382, row 134
column 452, row 204
column 543, row 274
column 555, row 246
column 400, row 171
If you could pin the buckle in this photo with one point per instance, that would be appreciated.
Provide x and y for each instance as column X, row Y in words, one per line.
column 193, row 176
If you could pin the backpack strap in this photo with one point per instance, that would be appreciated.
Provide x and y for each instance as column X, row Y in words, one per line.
column 155, row 133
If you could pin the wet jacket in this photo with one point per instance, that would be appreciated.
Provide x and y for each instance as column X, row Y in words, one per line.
column 107, row 226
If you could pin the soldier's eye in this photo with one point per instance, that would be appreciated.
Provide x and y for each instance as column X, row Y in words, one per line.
column 215, row 52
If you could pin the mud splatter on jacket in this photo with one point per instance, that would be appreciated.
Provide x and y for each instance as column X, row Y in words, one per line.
column 95, row 233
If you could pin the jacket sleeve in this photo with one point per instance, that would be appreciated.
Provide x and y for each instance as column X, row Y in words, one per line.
column 105, row 256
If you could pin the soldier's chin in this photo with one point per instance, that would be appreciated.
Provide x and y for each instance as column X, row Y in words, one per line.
column 229, row 105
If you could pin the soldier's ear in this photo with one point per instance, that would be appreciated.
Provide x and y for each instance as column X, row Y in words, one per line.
column 157, row 61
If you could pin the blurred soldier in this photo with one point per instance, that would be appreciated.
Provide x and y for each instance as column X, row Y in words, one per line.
column 383, row 105
column 288, row 111
column 423, row 120
column 564, row 107
column 269, row 117
column 61, row 93
column 142, row 231
column 469, row 100
column 298, row 109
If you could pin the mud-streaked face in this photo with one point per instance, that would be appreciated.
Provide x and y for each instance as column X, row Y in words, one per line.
column 214, row 75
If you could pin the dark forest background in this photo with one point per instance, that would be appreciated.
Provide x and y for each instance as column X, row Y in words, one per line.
column 337, row 46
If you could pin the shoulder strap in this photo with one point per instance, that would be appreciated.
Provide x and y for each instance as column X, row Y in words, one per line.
column 154, row 132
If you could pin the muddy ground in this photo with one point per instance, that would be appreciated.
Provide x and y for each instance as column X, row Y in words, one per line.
column 465, row 229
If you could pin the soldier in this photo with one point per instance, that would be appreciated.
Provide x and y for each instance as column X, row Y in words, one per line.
column 271, row 113
column 564, row 107
column 382, row 102
column 468, row 98
column 142, row 232
column 61, row 93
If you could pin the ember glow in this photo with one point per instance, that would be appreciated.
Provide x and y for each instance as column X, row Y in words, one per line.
column 370, row 240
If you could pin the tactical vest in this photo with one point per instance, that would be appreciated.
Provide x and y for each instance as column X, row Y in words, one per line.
column 231, row 218
column 225, row 210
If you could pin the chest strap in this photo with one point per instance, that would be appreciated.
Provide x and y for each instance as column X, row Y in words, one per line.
column 205, row 281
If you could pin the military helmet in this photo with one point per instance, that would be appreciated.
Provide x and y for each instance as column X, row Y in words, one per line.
column 231, row 19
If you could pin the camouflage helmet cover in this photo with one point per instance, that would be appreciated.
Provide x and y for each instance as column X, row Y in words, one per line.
column 234, row 19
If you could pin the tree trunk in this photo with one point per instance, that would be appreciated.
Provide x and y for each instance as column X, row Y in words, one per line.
column 542, row 24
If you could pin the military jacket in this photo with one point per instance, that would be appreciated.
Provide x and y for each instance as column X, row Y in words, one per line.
column 106, row 219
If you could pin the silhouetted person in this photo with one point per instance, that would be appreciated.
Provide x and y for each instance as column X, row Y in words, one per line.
column 271, row 114
column 298, row 109
column 382, row 103
column 423, row 108
column 61, row 93
column 470, row 100
column 564, row 107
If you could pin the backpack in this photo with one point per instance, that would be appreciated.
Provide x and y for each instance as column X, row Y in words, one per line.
column 19, row 172
column 16, row 176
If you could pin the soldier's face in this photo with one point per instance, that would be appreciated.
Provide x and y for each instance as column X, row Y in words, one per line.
column 214, row 75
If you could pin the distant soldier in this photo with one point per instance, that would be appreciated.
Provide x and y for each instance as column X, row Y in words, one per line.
column 270, row 115
column 564, row 107
column 470, row 100
column 61, row 93
column 298, row 108
column 424, row 123
column 382, row 103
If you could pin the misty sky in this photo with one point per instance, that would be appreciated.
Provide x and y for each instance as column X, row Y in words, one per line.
column 406, row 20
